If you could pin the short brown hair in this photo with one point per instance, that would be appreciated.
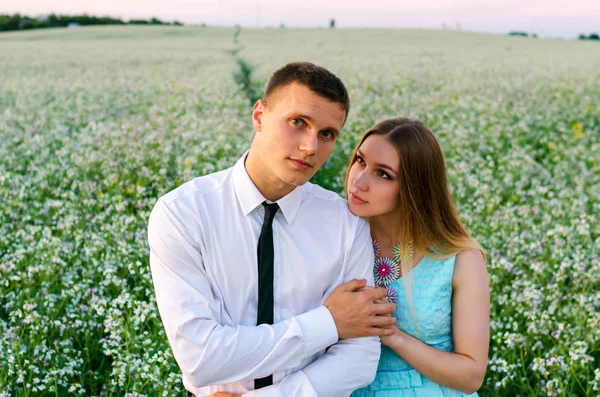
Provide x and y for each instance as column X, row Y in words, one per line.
column 318, row 79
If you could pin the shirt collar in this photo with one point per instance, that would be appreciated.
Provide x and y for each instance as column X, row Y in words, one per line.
column 250, row 198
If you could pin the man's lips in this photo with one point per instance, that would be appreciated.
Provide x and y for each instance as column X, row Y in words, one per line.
column 301, row 164
column 357, row 199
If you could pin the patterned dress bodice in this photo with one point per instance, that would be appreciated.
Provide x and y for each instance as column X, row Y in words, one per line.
column 431, row 297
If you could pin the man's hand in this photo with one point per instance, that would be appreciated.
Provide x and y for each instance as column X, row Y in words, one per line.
column 223, row 394
column 356, row 312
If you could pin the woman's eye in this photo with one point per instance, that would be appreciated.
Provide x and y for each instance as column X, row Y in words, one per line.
column 384, row 174
column 360, row 160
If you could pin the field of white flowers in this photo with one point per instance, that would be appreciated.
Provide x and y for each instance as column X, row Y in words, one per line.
column 97, row 123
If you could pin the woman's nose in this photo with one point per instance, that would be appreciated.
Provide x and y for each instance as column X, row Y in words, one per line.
column 361, row 181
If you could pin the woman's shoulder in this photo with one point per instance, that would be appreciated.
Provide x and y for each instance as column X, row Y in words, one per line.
column 469, row 266
column 470, row 256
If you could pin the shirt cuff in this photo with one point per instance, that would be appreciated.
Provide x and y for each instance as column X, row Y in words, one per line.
column 319, row 329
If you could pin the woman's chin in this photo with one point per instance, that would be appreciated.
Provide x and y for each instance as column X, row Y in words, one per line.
column 357, row 210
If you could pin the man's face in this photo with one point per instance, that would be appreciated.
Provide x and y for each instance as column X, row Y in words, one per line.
column 295, row 132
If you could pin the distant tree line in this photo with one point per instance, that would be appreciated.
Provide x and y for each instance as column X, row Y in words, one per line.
column 21, row 22
column 592, row 36
column 523, row 34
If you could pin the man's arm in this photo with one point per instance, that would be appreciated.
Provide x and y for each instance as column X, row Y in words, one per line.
column 207, row 352
column 347, row 365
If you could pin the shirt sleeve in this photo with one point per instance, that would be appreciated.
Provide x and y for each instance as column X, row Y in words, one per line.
column 350, row 363
column 207, row 352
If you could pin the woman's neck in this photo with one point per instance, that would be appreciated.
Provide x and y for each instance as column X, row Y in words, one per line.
column 383, row 229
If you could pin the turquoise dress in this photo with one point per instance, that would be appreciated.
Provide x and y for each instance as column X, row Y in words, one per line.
column 431, row 291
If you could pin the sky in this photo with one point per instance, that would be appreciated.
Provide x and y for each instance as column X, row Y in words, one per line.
column 550, row 18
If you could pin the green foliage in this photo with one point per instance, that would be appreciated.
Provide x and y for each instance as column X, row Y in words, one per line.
column 19, row 22
column 522, row 34
column 243, row 76
column 592, row 36
column 236, row 33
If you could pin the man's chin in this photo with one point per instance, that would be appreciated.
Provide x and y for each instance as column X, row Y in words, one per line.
column 296, row 180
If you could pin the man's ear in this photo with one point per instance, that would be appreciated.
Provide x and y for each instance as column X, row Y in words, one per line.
column 258, row 113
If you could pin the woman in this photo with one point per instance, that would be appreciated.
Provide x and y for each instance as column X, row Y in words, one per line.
column 433, row 270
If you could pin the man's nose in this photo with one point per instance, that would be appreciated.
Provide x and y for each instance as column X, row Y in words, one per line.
column 309, row 142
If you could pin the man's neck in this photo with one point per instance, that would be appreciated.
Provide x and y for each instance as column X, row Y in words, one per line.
column 271, row 187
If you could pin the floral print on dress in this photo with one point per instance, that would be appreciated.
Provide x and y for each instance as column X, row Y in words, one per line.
column 397, row 252
column 385, row 271
column 376, row 249
column 392, row 295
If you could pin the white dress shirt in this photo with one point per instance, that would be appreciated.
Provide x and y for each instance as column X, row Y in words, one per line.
column 203, row 240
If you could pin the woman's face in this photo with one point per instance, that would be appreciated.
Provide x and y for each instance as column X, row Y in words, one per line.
column 373, row 187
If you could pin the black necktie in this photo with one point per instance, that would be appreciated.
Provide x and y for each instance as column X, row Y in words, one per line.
column 265, row 254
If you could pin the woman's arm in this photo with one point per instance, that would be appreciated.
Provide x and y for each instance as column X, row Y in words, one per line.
column 464, row 369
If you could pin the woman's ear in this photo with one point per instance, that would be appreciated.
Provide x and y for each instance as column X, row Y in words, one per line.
column 258, row 113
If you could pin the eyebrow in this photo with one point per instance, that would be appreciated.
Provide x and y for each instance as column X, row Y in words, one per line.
column 332, row 129
column 379, row 165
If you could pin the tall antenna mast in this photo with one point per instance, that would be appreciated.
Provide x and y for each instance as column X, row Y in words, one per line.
column 220, row 12
column 258, row 14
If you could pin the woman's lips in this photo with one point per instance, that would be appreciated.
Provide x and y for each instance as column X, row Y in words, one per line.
column 356, row 199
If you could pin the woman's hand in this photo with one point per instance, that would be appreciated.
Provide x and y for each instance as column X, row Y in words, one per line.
column 223, row 394
column 392, row 340
column 388, row 340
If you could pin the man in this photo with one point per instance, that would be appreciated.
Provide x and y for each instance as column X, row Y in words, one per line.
column 248, row 263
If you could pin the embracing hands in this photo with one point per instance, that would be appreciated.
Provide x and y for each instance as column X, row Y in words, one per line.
column 359, row 310
column 388, row 340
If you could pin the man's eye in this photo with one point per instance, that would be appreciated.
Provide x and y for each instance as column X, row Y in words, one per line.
column 327, row 134
column 298, row 122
